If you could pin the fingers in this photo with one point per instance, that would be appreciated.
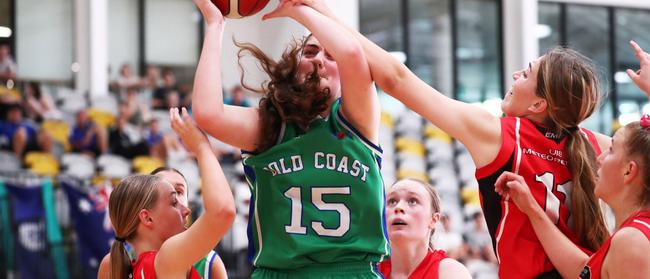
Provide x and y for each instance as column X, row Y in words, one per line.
column 634, row 76
column 644, row 58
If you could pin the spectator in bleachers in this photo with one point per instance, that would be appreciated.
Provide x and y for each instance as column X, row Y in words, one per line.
column 173, row 99
column 478, row 239
column 124, row 139
column 135, row 111
column 160, row 99
column 412, row 212
column 7, row 64
column 152, row 80
column 154, row 139
column 237, row 97
column 19, row 135
column 88, row 137
column 39, row 105
column 127, row 79
column 448, row 240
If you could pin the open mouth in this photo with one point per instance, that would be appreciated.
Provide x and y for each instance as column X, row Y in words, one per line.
column 399, row 222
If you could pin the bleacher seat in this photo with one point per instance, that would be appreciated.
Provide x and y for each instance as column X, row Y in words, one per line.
column 59, row 131
column 114, row 166
column 103, row 118
column 78, row 165
column 9, row 162
column 42, row 163
column 146, row 164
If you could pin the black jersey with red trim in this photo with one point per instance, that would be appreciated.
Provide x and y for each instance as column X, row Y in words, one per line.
column 538, row 155
column 639, row 221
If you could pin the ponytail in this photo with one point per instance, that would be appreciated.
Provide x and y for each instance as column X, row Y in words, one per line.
column 587, row 215
column 120, row 261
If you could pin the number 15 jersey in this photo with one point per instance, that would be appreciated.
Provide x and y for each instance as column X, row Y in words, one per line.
column 317, row 197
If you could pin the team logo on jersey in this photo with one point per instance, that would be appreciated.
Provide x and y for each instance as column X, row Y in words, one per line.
column 586, row 273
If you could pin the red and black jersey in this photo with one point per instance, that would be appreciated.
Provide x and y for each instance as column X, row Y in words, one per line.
column 538, row 155
column 428, row 267
column 143, row 267
column 640, row 221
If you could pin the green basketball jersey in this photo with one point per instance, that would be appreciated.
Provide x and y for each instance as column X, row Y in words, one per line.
column 204, row 265
column 317, row 197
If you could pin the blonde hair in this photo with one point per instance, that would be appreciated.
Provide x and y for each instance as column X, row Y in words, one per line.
column 133, row 194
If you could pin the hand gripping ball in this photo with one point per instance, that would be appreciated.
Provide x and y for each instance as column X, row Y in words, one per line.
column 240, row 8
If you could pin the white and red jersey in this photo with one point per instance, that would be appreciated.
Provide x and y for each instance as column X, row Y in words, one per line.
column 143, row 267
column 540, row 156
column 639, row 221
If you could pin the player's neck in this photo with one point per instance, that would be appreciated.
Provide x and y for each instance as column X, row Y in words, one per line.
column 405, row 258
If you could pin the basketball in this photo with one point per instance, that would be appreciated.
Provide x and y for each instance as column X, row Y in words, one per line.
column 240, row 8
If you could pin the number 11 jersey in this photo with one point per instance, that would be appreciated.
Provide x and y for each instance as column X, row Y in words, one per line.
column 317, row 197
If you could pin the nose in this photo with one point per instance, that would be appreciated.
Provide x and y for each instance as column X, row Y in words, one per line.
column 599, row 160
column 399, row 207
column 516, row 75
column 185, row 211
column 318, row 60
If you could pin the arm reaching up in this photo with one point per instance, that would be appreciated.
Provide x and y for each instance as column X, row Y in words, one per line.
column 211, row 114
column 641, row 77
column 218, row 201
column 476, row 128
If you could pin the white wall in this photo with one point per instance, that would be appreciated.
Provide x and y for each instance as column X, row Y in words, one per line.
column 44, row 39
column 520, row 42
column 171, row 35
column 122, row 35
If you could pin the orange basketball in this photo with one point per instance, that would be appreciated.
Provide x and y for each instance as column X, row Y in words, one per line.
column 240, row 8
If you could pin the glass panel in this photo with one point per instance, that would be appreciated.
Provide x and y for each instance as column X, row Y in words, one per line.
column 5, row 20
column 630, row 25
column 478, row 53
column 380, row 21
column 548, row 29
column 430, row 45
column 587, row 29
column 172, row 32
column 123, row 35
column 45, row 43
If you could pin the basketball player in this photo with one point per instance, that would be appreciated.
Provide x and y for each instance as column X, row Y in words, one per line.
column 539, row 138
column 146, row 213
column 210, row 266
column 624, row 184
column 317, row 195
column 412, row 211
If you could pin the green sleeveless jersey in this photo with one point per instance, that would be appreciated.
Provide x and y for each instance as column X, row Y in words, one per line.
column 317, row 197
column 204, row 265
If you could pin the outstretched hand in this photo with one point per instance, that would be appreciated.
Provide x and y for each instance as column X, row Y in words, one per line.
column 210, row 12
column 193, row 138
column 283, row 9
column 642, row 76
column 513, row 186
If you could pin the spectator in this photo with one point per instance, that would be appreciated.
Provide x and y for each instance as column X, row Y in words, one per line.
column 134, row 110
column 126, row 80
column 447, row 239
column 152, row 80
column 7, row 64
column 237, row 97
column 154, row 140
column 88, row 137
column 18, row 135
column 159, row 100
column 39, row 105
column 125, row 140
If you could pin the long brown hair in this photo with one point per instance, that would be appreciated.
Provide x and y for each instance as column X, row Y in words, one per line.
column 134, row 193
column 637, row 147
column 286, row 98
column 569, row 84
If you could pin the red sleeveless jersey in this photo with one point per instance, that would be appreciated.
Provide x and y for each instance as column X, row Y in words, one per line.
column 143, row 267
column 428, row 267
column 640, row 221
column 540, row 156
